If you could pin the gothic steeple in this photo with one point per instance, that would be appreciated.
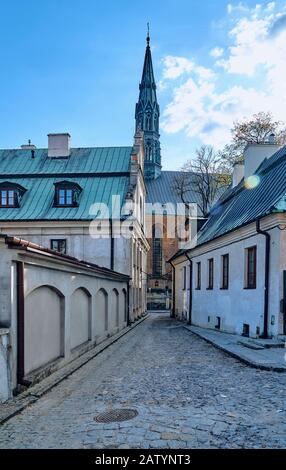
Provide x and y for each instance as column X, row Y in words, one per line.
column 147, row 117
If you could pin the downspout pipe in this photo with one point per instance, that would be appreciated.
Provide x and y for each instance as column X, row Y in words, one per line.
column 21, row 326
column 111, row 245
column 191, row 289
column 128, row 303
column 173, row 291
column 267, row 278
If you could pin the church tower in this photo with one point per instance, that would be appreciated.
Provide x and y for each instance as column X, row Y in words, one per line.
column 147, row 116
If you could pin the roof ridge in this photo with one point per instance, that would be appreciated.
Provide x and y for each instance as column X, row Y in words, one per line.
column 72, row 148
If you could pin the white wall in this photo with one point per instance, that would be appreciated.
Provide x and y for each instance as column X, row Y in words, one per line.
column 254, row 154
column 80, row 317
column 43, row 327
column 236, row 305
column 65, row 311
column 95, row 250
column 182, row 300
column 5, row 390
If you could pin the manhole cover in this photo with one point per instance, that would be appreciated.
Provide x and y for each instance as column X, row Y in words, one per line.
column 116, row 415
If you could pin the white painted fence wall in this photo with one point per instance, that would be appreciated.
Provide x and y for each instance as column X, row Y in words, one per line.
column 69, row 308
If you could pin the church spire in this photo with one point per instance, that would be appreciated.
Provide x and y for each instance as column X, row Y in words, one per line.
column 147, row 116
column 148, row 34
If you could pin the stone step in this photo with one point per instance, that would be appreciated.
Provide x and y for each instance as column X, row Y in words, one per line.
column 250, row 345
column 269, row 343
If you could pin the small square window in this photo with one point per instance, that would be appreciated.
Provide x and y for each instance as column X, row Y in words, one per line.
column 65, row 197
column 59, row 245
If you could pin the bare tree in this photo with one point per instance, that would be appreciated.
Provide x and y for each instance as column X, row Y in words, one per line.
column 257, row 130
column 205, row 175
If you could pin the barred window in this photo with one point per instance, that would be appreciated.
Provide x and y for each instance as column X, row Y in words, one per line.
column 157, row 254
column 251, row 255
column 211, row 273
column 225, row 272
column 199, row 272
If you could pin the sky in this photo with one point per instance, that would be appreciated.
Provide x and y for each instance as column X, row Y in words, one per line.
column 75, row 65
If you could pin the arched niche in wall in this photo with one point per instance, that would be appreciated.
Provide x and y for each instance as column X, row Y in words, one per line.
column 80, row 320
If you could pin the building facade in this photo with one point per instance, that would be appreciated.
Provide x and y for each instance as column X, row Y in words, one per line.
column 234, row 278
column 87, row 203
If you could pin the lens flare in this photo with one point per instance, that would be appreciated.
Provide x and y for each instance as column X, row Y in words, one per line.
column 252, row 182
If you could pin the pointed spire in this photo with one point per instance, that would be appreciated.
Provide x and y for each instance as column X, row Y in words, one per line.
column 147, row 115
column 148, row 35
column 148, row 84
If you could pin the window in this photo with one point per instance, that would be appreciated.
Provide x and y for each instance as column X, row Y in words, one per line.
column 67, row 194
column 184, row 278
column 7, row 198
column 199, row 267
column 211, row 273
column 225, row 272
column 59, row 245
column 250, row 268
column 157, row 251
column 65, row 197
column 10, row 194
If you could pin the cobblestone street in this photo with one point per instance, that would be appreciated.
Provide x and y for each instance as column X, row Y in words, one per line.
column 187, row 393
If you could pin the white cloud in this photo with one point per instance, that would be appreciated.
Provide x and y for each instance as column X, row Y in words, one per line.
column 174, row 67
column 271, row 6
column 250, row 78
column 217, row 52
column 239, row 7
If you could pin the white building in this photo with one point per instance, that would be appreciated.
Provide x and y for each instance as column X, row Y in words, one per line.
column 84, row 202
column 234, row 278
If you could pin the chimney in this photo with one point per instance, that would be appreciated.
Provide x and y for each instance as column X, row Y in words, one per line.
column 254, row 154
column 238, row 173
column 28, row 146
column 59, row 145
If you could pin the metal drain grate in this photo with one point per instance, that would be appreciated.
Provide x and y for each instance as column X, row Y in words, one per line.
column 116, row 415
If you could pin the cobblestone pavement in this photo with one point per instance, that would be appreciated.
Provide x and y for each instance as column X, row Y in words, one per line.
column 187, row 393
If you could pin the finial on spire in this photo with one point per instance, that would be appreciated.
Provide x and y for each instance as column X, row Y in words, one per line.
column 148, row 34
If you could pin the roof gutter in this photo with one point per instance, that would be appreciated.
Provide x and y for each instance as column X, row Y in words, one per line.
column 266, row 279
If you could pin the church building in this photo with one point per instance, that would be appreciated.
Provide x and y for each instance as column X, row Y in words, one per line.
column 163, row 210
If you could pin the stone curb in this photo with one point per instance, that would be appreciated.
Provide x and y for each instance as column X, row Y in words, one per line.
column 240, row 357
column 14, row 406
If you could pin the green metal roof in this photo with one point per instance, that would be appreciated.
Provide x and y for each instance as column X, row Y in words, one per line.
column 81, row 160
column 37, row 202
column 241, row 206
column 100, row 172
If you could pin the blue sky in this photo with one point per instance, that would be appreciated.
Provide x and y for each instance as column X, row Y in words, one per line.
column 75, row 65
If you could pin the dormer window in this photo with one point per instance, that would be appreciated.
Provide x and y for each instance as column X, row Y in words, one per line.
column 67, row 194
column 11, row 194
column 7, row 198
